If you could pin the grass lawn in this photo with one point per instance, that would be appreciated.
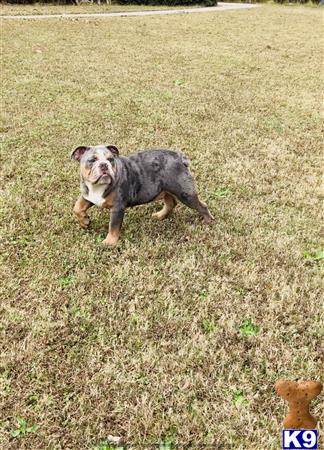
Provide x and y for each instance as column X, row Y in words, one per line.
column 180, row 332
column 48, row 8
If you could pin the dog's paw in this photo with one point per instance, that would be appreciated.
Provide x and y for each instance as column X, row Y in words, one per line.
column 84, row 222
column 159, row 215
column 207, row 220
column 110, row 240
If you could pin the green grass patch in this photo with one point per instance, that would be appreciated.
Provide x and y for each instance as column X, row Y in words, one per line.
column 23, row 429
column 248, row 328
column 315, row 256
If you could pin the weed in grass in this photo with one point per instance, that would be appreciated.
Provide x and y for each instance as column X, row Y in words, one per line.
column 166, row 445
column 23, row 262
column 21, row 242
column 224, row 258
column 193, row 408
column 23, row 428
column 77, row 312
column 203, row 294
column 247, row 328
column 169, row 438
column 5, row 383
column 142, row 379
column 239, row 399
column 67, row 280
column 208, row 326
column 32, row 399
column 314, row 257
column 221, row 192
column 179, row 82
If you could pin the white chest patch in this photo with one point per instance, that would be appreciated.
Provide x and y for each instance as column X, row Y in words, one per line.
column 95, row 194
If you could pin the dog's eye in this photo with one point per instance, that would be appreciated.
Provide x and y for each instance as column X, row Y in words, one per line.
column 92, row 160
column 111, row 160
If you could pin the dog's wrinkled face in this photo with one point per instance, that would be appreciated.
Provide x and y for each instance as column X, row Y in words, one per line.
column 98, row 163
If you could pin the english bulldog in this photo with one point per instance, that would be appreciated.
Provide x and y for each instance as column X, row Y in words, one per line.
column 110, row 180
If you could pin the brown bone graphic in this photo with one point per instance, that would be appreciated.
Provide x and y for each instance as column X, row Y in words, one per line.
column 298, row 395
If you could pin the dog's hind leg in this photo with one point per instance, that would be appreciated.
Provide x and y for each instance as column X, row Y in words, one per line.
column 192, row 201
column 184, row 190
column 169, row 204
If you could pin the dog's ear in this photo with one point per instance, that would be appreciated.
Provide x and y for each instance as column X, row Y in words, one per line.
column 78, row 152
column 113, row 149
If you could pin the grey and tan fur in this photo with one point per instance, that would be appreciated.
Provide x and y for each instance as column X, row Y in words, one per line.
column 117, row 182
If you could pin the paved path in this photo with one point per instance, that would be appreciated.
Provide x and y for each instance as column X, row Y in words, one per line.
column 221, row 7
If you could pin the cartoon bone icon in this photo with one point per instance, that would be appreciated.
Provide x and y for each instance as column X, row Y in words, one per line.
column 299, row 395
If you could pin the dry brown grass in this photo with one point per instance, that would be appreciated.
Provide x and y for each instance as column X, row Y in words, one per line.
column 48, row 8
column 144, row 341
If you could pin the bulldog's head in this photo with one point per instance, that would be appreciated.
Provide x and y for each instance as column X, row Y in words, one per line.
column 97, row 163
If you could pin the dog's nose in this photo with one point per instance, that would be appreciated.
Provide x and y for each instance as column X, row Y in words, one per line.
column 103, row 166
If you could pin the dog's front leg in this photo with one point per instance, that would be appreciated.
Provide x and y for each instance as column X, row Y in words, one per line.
column 116, row 220
column 80, row 208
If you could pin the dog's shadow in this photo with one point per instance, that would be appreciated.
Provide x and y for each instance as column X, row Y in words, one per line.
column 140, row 226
